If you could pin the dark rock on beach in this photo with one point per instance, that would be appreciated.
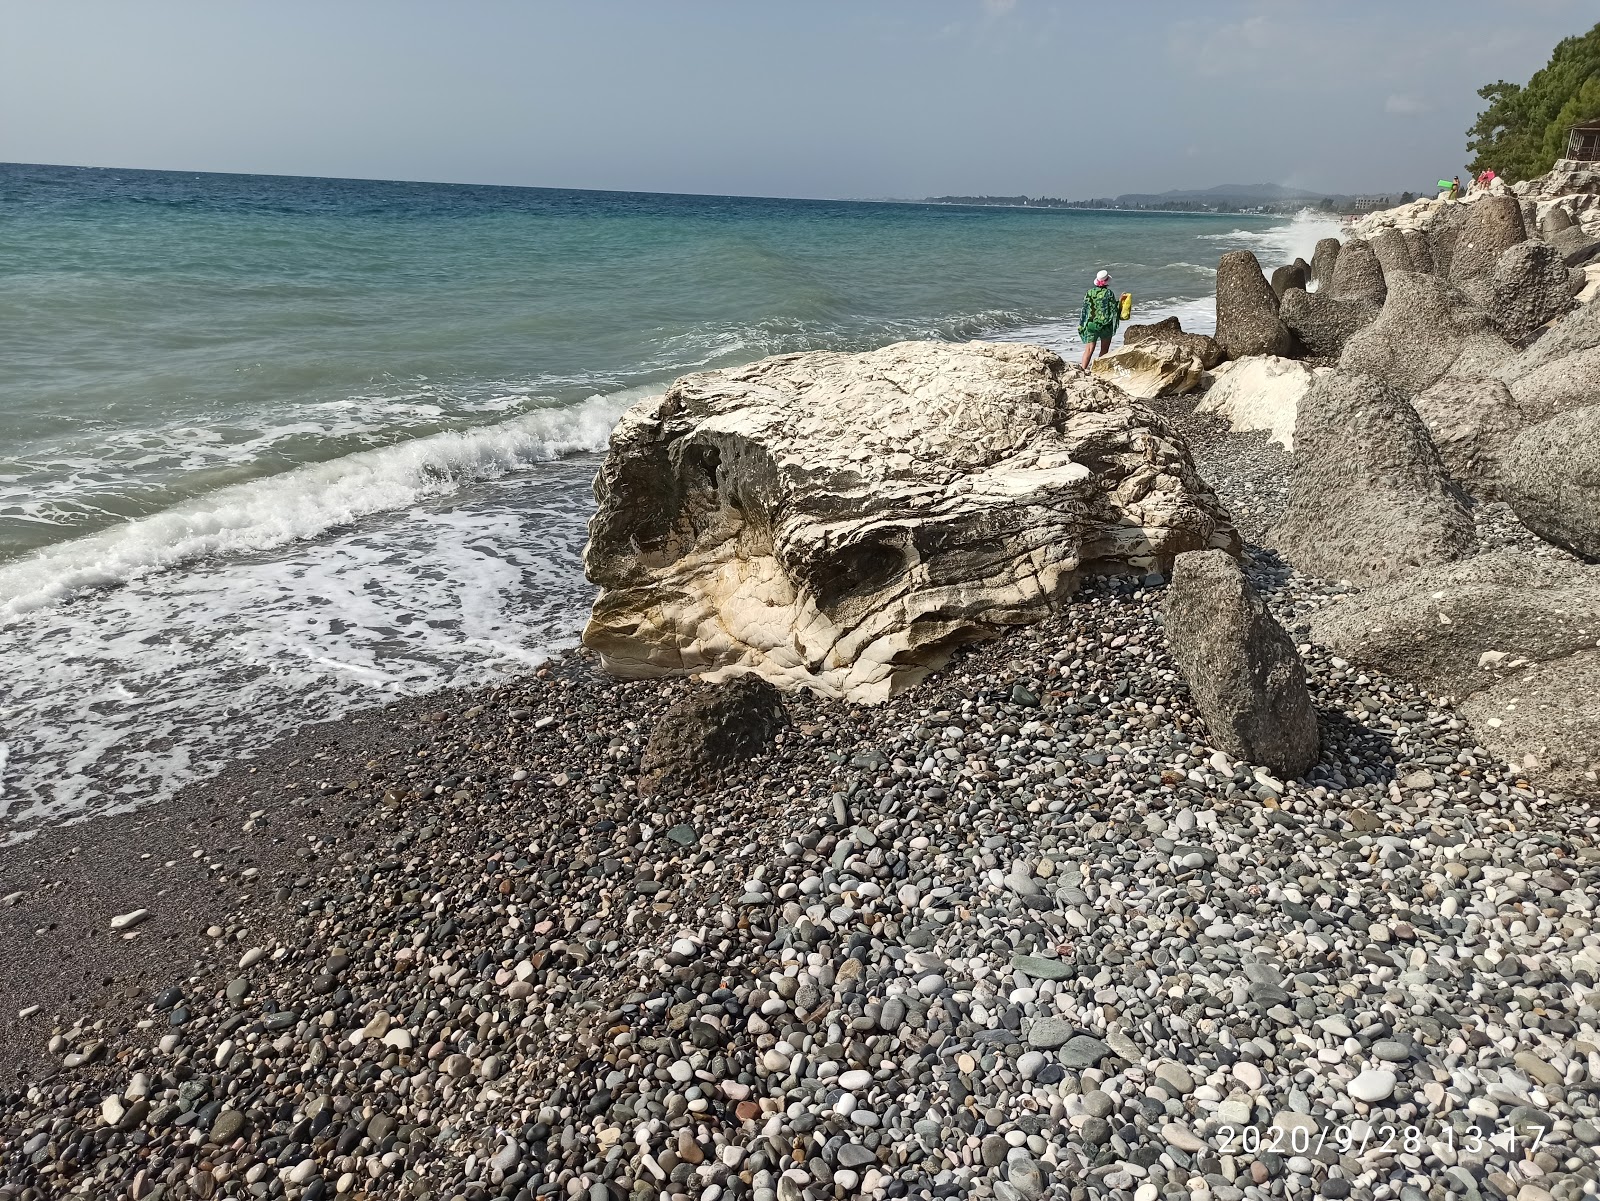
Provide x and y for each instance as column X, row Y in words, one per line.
column 1247, row 310
column 1357, row 274
column 1291, row 275
column 716, row 729
column 1324, row 325
column 1322, row 262
column 1246, row 677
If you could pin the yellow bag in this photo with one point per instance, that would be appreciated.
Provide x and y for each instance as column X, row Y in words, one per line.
column 1126, row 310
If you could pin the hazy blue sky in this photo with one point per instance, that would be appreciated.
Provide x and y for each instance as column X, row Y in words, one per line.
column 848, row 98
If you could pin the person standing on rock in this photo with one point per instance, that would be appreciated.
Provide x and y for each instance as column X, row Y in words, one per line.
column 1099, row 319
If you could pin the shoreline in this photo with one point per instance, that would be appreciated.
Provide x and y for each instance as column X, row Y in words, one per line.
column 484, row 984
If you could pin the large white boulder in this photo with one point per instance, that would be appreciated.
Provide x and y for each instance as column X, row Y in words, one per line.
column 1261, row 393
column 843, row 521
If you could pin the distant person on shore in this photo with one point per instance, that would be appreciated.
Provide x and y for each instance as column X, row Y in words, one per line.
column 1099, row 319
column 1455, row 188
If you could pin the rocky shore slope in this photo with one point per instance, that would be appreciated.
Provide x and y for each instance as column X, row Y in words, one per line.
column 1022, row 930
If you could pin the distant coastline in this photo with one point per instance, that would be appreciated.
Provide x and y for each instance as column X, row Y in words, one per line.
column 1264, row 200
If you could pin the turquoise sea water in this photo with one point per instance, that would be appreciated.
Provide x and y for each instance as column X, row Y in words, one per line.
column 273, row 447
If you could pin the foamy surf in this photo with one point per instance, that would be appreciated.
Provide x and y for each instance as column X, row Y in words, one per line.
column 306, row 502
column 1280, row 244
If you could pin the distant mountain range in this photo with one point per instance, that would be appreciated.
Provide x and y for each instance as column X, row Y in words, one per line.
column 1228, row 197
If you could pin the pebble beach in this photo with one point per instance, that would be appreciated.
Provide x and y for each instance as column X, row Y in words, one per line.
column 1019, row 932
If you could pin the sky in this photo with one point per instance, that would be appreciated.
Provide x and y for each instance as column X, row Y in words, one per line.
column 827, row 98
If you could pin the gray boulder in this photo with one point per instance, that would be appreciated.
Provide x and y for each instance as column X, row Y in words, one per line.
column 1322, row 261
column 1491, row 226
column 1420, row 250
column 1357, row 274
column 1552, row 480
column 1170, row 330
column 1369, row 498
column 1557, row 218
column 1578, row 249
column 1570, row 382
column 1393, row 252
column 1528, row 286
column 1472, row 423
column 714, row 731
column 1247, row 310
column 1443, row 234
column 1292, row 275
column 1455, row 629
column 1242, row 668
column 1510, row 635
column 1578, row 330
column 1427, row 330
column 1324, row 325
column 1544, row 721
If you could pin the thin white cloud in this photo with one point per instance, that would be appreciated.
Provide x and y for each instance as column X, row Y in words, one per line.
column 1404, row 105
column 998, row 8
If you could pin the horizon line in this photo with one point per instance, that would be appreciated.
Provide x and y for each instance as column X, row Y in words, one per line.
column 456, row 183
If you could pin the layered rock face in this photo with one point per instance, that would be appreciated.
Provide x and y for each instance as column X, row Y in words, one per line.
column 1368, row 497
column 1170, row 331
column 844, row 521
column 1151, row 369
column 1244, row 672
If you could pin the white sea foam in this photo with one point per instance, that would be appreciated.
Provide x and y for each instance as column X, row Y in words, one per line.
column 1280, row 244
column 305, row 502
column 120, row 697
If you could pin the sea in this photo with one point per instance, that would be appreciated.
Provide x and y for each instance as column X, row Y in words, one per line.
column 274, row 448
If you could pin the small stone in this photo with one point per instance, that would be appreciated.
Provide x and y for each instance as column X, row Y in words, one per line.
column 228, row 1126
column 1026, row 1176
column 1372, row 1085
column 1048, row 1033
column 854, row 1155
column 1040, row 968
column 127, row 921
column 1175, row 1078
column 1182, row 1137
column 1083, row 1051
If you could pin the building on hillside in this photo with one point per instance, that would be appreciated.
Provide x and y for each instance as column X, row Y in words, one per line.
column 1583, row 142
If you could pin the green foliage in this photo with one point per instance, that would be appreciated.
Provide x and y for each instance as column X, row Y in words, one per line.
column 1523, row 130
